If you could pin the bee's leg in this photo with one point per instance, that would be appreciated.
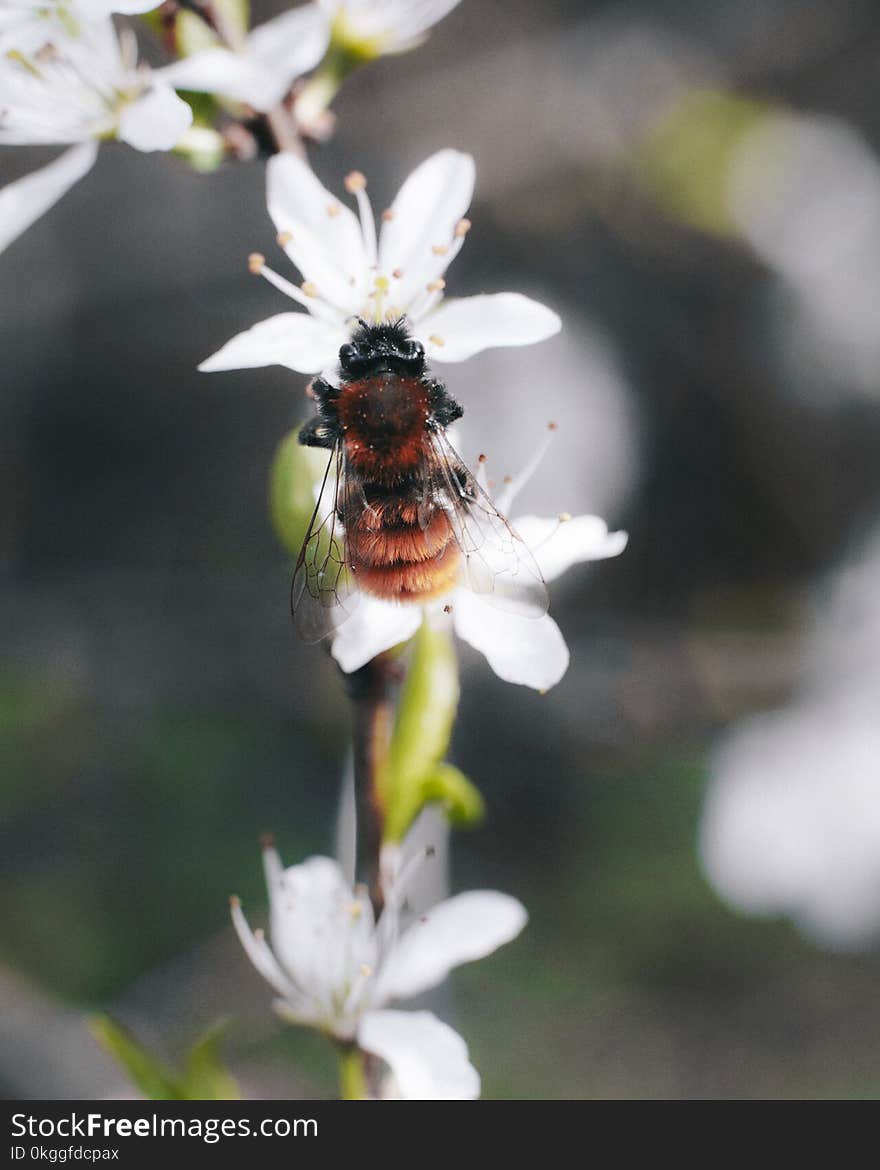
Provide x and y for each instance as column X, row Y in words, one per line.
column 444, row 409
column 317, row 432
column 323, row 391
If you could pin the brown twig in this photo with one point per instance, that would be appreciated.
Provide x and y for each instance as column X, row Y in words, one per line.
column 371, row 690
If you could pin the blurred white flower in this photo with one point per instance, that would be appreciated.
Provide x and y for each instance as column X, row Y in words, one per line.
column 335, row 967
column 530, row 651
column 67, row 13
column 805, row 191
column 77, row 87
column 348, row 271
column 260, row 70
column 376, row 27
column 791, row 822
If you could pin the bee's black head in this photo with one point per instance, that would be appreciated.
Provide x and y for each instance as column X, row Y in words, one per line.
column 375, row 349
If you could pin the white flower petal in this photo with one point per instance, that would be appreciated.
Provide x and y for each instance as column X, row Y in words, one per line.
column 289, row 46
column 219, row 70
column 528, row 651
column 25, row 200
column 469, row 325
column 559, row 544
column 304, row 911
column 395, row 24
column 428, row 1059
column 97, row 8
column 260, row 955
column 424, row 214
column 459, row 930
column 294, row 340
column 325, row 242
column 156, row 121
column 374, row 626
column 262, row 72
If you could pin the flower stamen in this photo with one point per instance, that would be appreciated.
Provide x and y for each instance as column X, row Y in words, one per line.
column 356, row 184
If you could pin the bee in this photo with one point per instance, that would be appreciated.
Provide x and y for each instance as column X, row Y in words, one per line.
column 399, row 516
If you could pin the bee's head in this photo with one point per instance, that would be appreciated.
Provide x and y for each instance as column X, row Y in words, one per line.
column 378, row 348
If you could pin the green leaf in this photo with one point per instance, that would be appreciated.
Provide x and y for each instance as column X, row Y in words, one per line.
column 422, row 729
column 295, row 472
column 149, row 1074
column 460, row 798
column 204, row 1078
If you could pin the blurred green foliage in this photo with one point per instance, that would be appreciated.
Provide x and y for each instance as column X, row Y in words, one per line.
column 201, row 1078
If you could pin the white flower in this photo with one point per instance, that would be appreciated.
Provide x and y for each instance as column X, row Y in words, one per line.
column 526, row 650
column 335, row 968
column 348, row 271
column 791, row 821
column 25, row 24
column 384, row 26
column 77, row 87
column 260, row 70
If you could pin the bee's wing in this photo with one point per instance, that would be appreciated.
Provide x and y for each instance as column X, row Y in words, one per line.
column 322, row 592
column 497, row 563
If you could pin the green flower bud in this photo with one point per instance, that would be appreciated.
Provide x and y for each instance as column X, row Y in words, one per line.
column 294, row 475
column 415, row 775
column 460, row 798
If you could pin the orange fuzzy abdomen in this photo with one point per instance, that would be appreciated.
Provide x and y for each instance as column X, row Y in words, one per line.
column 415, row 581
column 392, row 556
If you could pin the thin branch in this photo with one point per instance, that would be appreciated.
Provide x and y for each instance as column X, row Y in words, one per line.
column 371, row 690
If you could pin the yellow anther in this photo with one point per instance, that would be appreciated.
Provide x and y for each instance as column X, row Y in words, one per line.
column 439, row 249
column 310, row 289
column 283, row 239
column 256, row 261
column 397, row 273
column 462, row 228
column 388, row 214
column 564, row 517
column 436, row 285
column 333, row 209
column 366, row 971
column 354, row 182
column 436, row 339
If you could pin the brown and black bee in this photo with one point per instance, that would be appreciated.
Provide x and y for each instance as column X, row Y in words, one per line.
column 399, row 515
